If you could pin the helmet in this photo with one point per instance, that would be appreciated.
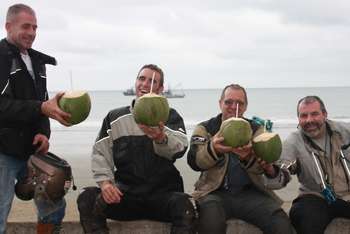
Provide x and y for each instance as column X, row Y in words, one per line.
column 48, row 177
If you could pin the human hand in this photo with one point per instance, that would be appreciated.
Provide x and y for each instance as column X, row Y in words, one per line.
column 243, row 152
column 155, row 133
column 42, row 143
column 51, row 109
column 218, row 145
column 268, row 168
column 110, row 192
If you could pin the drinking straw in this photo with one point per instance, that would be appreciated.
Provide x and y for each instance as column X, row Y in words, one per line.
column 152, row 81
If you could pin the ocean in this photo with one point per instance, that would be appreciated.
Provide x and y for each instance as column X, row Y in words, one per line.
column 277, row 104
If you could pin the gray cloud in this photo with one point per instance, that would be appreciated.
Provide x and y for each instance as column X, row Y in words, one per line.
column 201, row 44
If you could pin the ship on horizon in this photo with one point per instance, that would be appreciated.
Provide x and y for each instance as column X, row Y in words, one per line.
column 169, row 93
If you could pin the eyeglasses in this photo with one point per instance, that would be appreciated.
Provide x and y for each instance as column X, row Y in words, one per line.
column 229, row 102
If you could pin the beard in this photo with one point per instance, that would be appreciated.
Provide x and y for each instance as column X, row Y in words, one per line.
column 313, row 129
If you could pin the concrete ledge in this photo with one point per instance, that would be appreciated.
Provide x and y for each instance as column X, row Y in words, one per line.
column 338, row 226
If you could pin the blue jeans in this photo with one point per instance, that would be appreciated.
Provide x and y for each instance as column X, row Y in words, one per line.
column 12, row 169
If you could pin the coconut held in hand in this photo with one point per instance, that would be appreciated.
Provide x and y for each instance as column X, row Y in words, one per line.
column 236, row 132
column 76, row 103
column 150, row 109
column 268, row 146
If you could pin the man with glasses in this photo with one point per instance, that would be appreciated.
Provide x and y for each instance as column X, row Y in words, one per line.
column 233, row 182
column 318, row 153
column 133, row 166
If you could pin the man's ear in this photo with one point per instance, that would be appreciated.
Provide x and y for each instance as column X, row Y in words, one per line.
column 161, row 89
column 7, row 26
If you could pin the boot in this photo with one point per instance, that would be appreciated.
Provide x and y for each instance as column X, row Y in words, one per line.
column 57, row 229
column 44, row 228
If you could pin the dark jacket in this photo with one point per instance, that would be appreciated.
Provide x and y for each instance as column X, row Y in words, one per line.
column 124, row 155
column 20, row 100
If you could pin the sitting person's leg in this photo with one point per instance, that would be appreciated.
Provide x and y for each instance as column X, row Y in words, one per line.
column 94, row 210
column 340, row 209
column 212, row 215
column 310, row 214
column 174, row 207
column 91, row 221
column 259, row 209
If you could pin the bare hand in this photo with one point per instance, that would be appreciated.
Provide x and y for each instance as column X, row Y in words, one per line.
column 218, row 145
column 42, row 142
column 110, row 192
column 51, row 109
column 243, row 152
column 155, row 133
column 267, row 167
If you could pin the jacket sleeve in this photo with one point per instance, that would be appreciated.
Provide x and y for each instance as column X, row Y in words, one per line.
column 102, row 163
column 202, row 155
column 177, row 142
column 279, row 181
column 14, row 110
column 289, row 153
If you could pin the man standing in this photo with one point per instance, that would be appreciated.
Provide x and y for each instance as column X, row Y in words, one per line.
column 317, row 154
column 24, row 108
column 133, row 166
column 233, row 182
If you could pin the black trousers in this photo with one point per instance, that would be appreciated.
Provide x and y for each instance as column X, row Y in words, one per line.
column 173, row 207
column 311, row 214
column 250, row 205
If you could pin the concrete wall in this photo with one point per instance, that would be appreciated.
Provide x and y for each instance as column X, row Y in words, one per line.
column 338, row 226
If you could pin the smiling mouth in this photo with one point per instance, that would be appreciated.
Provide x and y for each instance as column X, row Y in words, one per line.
column 144, row 91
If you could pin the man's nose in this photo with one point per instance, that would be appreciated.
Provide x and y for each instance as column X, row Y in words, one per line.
column 32, row 31
column 309, row 118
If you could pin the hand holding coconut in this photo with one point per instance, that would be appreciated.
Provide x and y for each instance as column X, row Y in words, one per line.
column 51, row 109
column 155, row 133
column 267, row 167
column 220, row 147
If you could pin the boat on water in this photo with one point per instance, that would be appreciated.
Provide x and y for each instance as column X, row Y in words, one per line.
column 169, row 93
column 129, row 92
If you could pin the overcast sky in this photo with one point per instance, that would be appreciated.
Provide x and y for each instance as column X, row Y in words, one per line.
column 198, row 43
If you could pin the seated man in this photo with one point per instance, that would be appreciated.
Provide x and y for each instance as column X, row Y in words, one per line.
column 233, row 182
column 316, row 152
column 134, row 167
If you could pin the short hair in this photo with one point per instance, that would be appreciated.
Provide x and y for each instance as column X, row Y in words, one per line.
column 154, row 68
column 311, row 99
column 16, row 9
column 237, row 87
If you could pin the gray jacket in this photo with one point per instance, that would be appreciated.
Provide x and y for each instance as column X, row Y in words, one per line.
column 297, row 148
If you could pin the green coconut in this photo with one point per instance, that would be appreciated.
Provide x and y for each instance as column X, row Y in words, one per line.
column 268, row 146
column 150, row 109
column 236, row 132
column 77, row 104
